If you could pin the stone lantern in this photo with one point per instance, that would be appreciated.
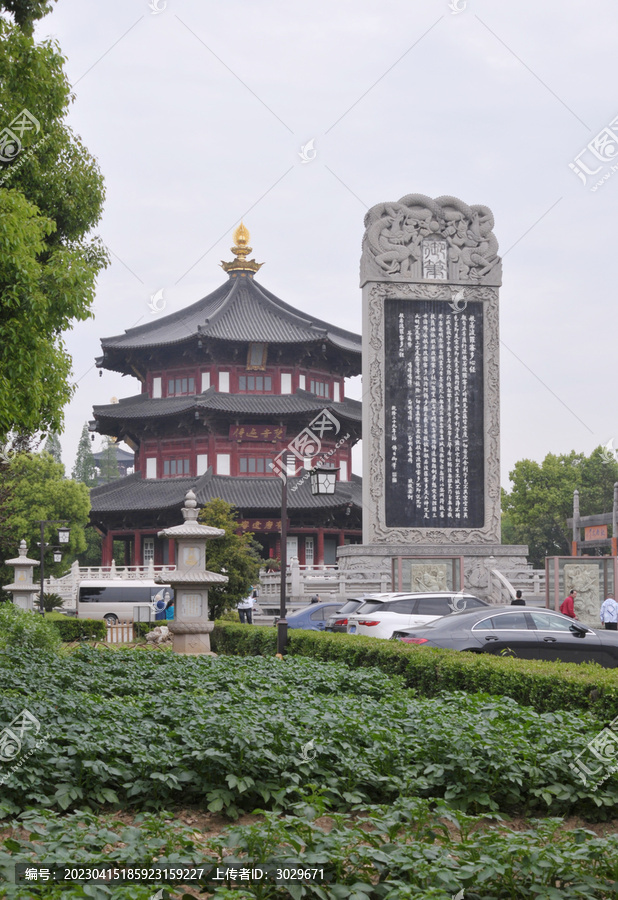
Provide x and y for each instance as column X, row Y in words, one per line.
column 190, row 627
column 23, row 588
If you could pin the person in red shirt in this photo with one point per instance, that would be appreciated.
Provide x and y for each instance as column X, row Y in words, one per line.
column 567, row 607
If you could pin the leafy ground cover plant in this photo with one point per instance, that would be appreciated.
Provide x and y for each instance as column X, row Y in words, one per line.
column 142, row 730
column 413, row 848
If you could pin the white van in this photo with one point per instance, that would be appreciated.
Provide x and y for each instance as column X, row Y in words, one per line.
column 117, row 600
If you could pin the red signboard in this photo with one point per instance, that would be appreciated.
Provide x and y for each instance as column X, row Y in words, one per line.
column 595, row 533
column 257, row 433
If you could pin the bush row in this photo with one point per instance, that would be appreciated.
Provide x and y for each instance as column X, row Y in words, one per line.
column 544, row 686
column 79, row 629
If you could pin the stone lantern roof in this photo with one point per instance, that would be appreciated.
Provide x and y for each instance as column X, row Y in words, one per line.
column 191, row 528
column 22, row 559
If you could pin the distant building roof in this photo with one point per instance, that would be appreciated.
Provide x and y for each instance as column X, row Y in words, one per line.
column 123, row 456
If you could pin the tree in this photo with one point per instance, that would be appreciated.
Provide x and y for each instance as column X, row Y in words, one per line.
column 108, row 469
column 536, row 509
column 233, row 555
column 85, row 469
column 51, row 195
column 52, row 446
column 34, row 488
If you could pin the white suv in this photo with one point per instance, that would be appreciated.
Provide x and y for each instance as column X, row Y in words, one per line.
column 382, row 614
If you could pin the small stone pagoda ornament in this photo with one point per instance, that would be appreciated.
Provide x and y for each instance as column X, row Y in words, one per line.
column 190, row 627
column 23, row 588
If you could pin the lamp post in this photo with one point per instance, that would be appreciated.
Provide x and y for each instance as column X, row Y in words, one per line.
column 282, row 624
column 63, row 538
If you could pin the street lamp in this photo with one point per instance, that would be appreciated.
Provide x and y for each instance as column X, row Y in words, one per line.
column 324, row 479
column 63, row 538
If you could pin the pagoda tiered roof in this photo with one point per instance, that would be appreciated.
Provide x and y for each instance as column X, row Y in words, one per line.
column 240, row 310
column 135, row 493
column 141, row 407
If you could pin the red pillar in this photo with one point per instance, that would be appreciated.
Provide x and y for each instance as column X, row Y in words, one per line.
column 107, row 549
column 320, row 548
column 137, row 548
column 172, row 552
column 341, row 539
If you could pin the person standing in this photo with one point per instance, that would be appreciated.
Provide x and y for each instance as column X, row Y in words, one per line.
column 609, row 614
column 567, row 607
column 519, row 600
column 315, row 598
column 245, row 610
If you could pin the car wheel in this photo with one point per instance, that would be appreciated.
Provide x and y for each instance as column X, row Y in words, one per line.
column 111, row 619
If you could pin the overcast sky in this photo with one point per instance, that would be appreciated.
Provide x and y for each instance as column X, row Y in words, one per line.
column 197, row 115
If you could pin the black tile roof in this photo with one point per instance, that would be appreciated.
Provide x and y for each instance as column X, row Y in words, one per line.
column 142, row 407
column 239, row 310
column 135, row 493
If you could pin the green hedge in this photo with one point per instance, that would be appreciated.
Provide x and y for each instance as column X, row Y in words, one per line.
column 77, row 629
column 545, row 686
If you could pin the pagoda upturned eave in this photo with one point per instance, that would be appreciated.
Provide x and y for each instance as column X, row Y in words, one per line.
column 241, row 310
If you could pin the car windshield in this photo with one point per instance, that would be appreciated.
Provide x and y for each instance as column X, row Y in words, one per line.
column 370, row 606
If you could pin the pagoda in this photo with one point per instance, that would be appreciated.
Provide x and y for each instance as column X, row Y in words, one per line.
column 226, row 385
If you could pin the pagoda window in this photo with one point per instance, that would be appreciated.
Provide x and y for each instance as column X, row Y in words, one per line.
column 148, row 551
column 256, row 356
column 223, row 463
column 224, row 382
column 343, row 470
column 320, row 388
column 301, row 382
column 202, row 463
column 255, row 384
column 156, row 388
column 286, row 383
column 336, row 392
column 176, row 387
column 172, row 468
column 255, row 465
column 205, row 381
column 151, row 467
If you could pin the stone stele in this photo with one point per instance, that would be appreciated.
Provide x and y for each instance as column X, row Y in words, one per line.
column 191, row 627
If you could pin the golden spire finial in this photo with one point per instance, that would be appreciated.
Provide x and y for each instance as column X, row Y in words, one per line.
column 241, row 250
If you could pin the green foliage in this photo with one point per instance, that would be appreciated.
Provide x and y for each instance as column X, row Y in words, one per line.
column 52, row 601
column 34, row 488
column 84, row 469
column 233, row 555
column 109, row 470
column 25, row 630
column 541, row 499
column 544, row 686
column 230, row 735
column 26, row 12
column 51, row 195
column 413, row 849
column 74, row 629
column 53, row 447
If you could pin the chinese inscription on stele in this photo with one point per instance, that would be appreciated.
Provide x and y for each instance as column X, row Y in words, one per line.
column 434, row 414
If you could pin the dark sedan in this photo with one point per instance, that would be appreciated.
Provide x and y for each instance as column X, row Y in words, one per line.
column 524, row 633
column 314, row 617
